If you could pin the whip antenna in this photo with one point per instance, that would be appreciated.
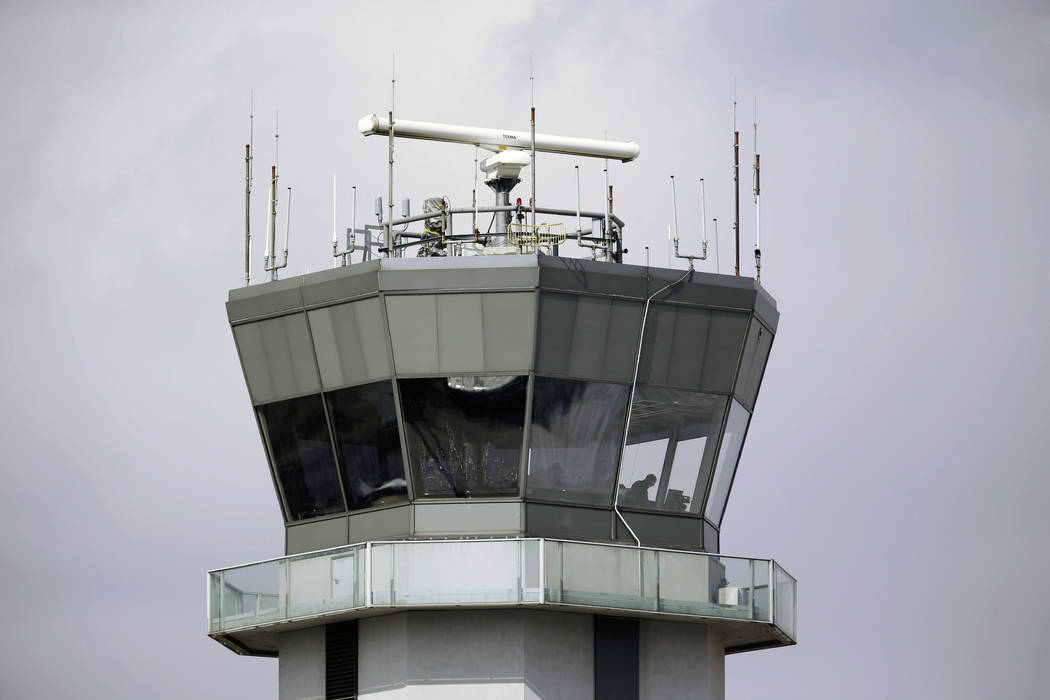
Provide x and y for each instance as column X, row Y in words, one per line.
column 736, row 182
column 532, row 100
column 335, row 233
column 757, row 188
column 248, row 191
column 389, row 243
column 579, row 225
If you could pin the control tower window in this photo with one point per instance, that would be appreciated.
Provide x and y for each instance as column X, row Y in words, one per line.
column 464, row 433
column 728, row 455
column 574, row 440
column 302, row 456
column 670, row 449
column 369, row 447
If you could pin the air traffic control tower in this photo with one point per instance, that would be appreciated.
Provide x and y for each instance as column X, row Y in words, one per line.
column 502, row 476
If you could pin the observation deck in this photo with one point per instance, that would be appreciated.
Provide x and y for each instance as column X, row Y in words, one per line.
column 751, row 602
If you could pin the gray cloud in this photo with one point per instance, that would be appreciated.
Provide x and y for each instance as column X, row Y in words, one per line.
column 896, row 463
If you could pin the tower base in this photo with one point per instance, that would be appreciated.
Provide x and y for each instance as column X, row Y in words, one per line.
column 502, row 654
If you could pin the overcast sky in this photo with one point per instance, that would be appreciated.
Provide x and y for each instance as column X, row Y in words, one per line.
column 897, row 461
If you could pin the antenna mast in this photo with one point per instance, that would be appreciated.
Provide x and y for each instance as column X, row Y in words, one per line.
column 736, row 181
column 718, row 267
column 248, row 191
column 287, row 226
column 272, row 243
column 758, row 228
column 475, row 226
column 335, row 233
column 270, row 259
column 674, row 205
column 532, row 100
column 351, row 240
column 389, row 243
column 607, row 231
column 579, row 225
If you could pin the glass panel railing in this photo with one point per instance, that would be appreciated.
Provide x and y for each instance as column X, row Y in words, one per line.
column 323, row 582
column 460, row 572
column 251, row 595
column 501, row 572
column 214, row 599
column 600, row 575
column 682, row 583
column 762, row 591
column 784, row 601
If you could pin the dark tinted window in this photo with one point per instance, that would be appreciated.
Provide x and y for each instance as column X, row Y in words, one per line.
column 574, row 439
column 369, row 447
column 302, row 456
column 464, row 433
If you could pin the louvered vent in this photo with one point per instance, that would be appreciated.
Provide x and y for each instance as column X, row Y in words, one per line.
column 340, row 661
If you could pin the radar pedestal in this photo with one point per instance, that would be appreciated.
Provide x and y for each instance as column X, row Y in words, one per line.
column 501, row 175
column 471, row 510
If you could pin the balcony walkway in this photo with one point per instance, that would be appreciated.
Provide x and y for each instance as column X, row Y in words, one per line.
column 751, row 601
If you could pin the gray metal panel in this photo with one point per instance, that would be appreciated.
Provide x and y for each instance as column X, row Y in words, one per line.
column 554, row 341
column 724, row 346
column 659, row 335
column 481, row 272
column 690, row 335
column 545, row 520
column 468, row 518
column 692, row 348
column 587, row 336
column 509, row 330
column 766, row 308
column 301, row 664
column 264, row 299
column 574, row 274
column 753, row 363
column 550, row 639
column 460, row 347
column 278, row 358
column 710, row 538
column 311, row 535
column 655, row 530
column 700, row 288
column 351, row 343
column 380, row 524
column 413, row 332
column 677, row 660
column 621, row 341
column 341, row 283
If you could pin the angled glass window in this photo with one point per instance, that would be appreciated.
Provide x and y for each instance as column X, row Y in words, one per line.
column 464, row 433
column 753, row 363
column 692, row 348
column 277, row 358
column 728, row 456
column 301, row 451
column 574, row 440
column 670, row 449
column 588, row 336
column 462, row 333
column 369, row 447
column 351, row 343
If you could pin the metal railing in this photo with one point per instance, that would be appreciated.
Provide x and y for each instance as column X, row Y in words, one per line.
column 501, row 573
column 532, row 236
